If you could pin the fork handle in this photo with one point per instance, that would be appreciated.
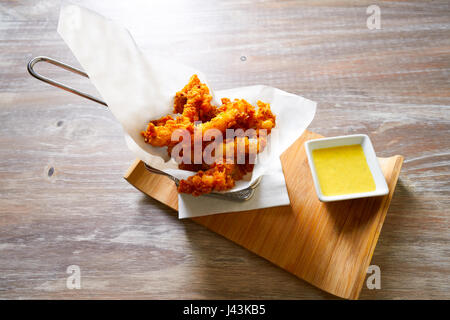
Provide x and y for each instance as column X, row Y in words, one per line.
column 157, row 171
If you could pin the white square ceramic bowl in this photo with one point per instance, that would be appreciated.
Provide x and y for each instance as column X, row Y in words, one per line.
column 372, row 161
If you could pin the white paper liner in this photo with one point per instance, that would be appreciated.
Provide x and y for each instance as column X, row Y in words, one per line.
column 139, row 88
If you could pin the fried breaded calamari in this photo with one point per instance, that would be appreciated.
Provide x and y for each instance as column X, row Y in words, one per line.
column 193, row 104
column 194, row 101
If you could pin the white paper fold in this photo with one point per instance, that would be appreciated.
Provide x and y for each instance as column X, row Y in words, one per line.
column 139, row 88
column 271, row 192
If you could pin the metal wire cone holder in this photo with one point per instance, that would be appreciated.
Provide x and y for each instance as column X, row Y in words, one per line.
column 241, row 195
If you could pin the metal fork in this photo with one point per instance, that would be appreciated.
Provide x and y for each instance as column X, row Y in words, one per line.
column 241, row 195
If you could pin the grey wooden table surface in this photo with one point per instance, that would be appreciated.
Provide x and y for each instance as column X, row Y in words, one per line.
column 63, row 200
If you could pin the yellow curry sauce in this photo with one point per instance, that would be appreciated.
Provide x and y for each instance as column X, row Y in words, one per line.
column 343, row 170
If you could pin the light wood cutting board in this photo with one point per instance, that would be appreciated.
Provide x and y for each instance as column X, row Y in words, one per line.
column 329, row 245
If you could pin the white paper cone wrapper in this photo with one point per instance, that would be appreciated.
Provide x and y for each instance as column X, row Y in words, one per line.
column 140, row 88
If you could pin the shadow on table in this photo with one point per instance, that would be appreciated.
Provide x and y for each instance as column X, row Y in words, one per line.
column 224, row 270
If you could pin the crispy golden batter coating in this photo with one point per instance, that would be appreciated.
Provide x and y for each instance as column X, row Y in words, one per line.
column 219, row 177
column 193, row 103
column 159, row 132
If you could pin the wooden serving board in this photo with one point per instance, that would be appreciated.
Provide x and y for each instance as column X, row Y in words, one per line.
column 329, row 245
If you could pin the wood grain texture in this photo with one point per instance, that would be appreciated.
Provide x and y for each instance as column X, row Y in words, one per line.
column 329, row 245
column 392, row 84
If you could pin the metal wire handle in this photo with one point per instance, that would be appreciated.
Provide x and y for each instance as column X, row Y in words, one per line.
column 241, row 195
column 57, row 84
